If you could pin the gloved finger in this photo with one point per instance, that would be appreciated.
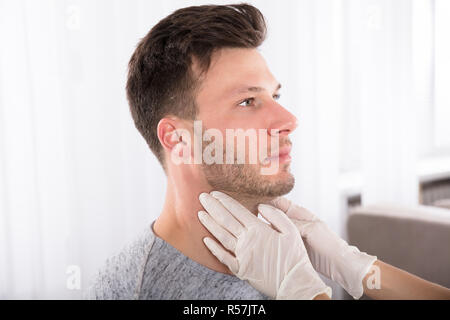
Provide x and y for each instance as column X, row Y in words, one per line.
column 222, row 255
column 220, row 214
column 281, row 203
column 225, row 238
column 304, row 227
column 237, row 210
column 277, row 218
column 292, row 210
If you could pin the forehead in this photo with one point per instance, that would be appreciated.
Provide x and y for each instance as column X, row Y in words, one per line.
column 233, row 69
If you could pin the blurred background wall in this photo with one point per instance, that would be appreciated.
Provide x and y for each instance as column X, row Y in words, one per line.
column 367, row 79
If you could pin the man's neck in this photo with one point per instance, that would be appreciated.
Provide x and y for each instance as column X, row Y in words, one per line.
column 178, row 223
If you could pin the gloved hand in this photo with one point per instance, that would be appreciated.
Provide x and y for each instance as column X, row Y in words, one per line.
column 329, row 254
column 274, row 262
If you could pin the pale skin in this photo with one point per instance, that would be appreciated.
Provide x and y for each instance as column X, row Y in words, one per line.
column 218, row 102
column 397, row 284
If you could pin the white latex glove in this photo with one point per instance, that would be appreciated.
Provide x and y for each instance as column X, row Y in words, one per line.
column 329, row 254
column 273, row 262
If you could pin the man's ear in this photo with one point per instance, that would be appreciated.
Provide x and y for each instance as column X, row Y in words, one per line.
column 170, row 133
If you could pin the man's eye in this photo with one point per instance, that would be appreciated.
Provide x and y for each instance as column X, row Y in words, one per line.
column 249, row 102
column 246, row 102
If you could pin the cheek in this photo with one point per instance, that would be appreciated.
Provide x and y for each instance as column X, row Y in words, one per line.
column 256, row 148
column 242, row 120
column 225, row 117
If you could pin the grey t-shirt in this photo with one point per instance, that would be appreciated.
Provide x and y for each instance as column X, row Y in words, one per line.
column 150, row 268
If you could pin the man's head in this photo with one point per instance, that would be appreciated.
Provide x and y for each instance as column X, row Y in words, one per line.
column 202, row 63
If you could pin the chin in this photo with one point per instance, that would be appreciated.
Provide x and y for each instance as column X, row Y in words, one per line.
column 280, row 184
column 284, row 172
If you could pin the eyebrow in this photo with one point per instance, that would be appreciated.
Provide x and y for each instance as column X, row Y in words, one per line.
column 253, row 89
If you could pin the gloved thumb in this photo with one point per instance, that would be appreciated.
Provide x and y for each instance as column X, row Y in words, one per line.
column 303, row 227
column 281, row 203
column 292, row 210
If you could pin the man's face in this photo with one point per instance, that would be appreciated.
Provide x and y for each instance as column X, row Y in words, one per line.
column 239, row 92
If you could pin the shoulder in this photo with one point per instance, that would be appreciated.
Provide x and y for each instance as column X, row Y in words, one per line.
column 121, row 275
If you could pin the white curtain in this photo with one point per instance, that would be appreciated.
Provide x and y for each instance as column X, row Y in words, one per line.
column 77, row 181
column 388, row 104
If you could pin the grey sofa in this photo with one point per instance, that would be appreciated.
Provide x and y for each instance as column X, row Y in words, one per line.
column 415, row 239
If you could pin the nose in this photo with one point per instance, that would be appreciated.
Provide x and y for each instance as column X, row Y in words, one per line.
column 282, row 121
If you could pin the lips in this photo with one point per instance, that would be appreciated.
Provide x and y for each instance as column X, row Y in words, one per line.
column 283, row 154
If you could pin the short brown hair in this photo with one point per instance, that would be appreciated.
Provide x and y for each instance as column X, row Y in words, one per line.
column 160, row 78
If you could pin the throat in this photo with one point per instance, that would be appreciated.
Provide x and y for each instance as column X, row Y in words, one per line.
column 188, row 240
